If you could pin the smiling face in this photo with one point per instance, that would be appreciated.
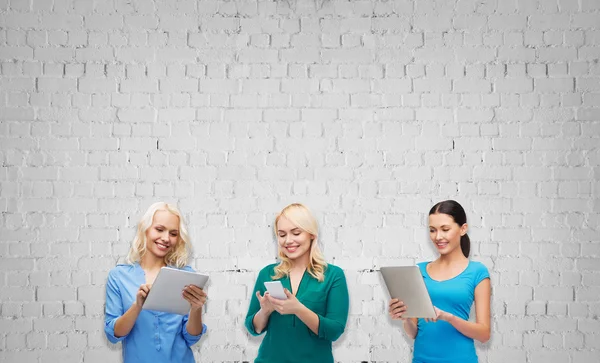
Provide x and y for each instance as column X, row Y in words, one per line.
column 293, row 241
column 163, row 234
column 445, row 233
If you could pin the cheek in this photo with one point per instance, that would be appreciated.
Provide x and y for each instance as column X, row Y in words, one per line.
column 150, row 235
column 455, row 235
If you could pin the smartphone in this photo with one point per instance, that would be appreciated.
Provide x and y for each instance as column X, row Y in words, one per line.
column 275, row 289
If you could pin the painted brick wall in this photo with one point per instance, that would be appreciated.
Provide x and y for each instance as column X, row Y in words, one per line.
column 367, row 111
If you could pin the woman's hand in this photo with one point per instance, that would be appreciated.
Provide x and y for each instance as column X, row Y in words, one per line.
column 396, row 309
column 285, row 307
column 195, row 296
column 141, row 295
column 439, row 315
column 265, row 304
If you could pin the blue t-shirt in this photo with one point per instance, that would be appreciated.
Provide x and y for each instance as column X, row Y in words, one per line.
column 155, row 337
column 440, row 342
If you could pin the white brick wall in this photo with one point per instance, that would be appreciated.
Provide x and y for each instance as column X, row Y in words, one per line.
column 367, row 111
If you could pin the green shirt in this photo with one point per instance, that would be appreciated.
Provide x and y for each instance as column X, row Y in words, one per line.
column 288, row 339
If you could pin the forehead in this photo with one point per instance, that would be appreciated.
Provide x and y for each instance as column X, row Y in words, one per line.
column 166, row 218
column 440, row 219
column 284, row 224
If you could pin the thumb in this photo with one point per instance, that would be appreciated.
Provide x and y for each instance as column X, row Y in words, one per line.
column 287, row 293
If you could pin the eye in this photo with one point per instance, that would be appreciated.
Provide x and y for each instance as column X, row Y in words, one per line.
column 174, row 234
column 159, row 229
column 445, row 230
column 282, row 235
column 296, row 233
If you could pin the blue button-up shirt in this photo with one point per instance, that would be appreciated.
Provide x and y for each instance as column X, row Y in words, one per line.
column 155, row 337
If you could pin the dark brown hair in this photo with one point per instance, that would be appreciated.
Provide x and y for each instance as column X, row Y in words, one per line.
column 456, row 211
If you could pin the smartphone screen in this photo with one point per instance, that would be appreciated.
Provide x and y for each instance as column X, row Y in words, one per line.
column 275, row 289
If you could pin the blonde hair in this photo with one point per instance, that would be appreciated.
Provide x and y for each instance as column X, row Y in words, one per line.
column 179, row 255
column 302, row 218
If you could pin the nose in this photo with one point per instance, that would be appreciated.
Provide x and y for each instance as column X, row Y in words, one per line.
column 288, row 239
column 438, row 235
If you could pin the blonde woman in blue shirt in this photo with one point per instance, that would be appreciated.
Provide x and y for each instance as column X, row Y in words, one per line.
column 454, row 283
column 151, row 336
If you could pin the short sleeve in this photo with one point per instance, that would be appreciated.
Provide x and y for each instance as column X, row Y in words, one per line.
column 114, row 307
column 481, row 273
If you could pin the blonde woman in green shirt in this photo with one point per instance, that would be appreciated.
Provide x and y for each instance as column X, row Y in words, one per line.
column 302, row 327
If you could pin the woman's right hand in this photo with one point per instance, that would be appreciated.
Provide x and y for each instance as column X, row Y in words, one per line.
column 265, row 304
column 141, row 295
column 396, row 309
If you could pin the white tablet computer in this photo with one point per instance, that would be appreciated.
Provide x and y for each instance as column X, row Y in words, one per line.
column 166, row 292
column 406, row 284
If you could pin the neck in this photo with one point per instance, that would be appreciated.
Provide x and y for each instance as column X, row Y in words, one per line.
column 455, row 256
column 301, row 263
column 149, row 262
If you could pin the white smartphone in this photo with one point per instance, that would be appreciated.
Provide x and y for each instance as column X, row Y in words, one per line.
column 275, row 289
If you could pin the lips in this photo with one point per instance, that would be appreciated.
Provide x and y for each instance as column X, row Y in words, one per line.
column 162, row 246
column 291, row 249
column 442, row 245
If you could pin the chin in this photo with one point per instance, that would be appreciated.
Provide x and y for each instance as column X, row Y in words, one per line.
column 294, row 256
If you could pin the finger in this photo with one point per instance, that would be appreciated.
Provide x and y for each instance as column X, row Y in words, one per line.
column 196, row 289
column 193, row 299
column 398, row 311
column 275, row 302
column 396, row 306
column 287, row 293
column 195, row 293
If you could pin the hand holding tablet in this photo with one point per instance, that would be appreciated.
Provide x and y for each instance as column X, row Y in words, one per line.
column 166, row 294
column 406, row 284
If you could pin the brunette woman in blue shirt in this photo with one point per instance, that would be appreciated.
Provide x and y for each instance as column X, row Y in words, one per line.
column 454, row 283
column 152, row 336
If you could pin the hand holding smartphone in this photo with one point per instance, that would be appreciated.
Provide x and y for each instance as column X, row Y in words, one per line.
column 275, row 289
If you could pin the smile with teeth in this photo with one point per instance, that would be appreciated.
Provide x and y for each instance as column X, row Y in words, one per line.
column 291, row 248
column 441, row 244
column 162, row 246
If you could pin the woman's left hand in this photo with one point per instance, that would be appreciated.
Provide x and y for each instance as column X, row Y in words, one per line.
column 285, row 307
column 439, row 315
column 195, row 296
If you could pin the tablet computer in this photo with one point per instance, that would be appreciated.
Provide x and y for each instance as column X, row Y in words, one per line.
column 406, row 284
column 165, row 293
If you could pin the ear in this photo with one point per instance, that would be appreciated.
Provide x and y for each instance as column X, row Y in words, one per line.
column 463, row 229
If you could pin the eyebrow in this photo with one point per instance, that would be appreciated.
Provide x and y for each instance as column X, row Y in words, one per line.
column 442, row 226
